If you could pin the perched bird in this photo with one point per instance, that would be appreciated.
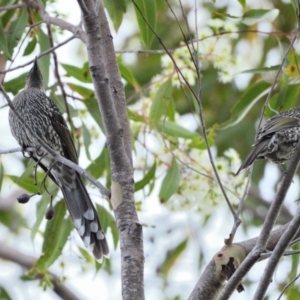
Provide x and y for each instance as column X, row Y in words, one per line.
column 277, row 139
column 44, row 118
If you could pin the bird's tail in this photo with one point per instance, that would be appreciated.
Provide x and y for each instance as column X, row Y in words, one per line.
column 258, row 149
column 85, row 217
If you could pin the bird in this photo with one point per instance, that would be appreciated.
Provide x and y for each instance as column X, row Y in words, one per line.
column 276, row 140
column 44, row 118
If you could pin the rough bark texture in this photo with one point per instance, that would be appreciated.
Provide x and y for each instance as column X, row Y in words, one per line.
column 208, row 286
column 113, row 110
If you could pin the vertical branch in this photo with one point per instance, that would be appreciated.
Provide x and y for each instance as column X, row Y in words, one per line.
column 130, row 230
column 115, row 81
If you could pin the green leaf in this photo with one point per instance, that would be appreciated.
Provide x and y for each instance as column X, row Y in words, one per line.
column 30, row 47
column 4, row 294
column 173, row 129
column 172, row 257
column 135, row 117
column 93, row 108
column 254, row 16
column 116, row 10
column 100, row 164
column 170, row 183
column 15, row 85
column 243, row 4
column 262, row 70
column 56, row 235
column 41, row 208
column 108, row 221
column 86, row 255
column 82, row 91
column 245, row 103
column 86, row 140
column 127, row 74
column 44, row 62
column 16, row 29
column 148, row 11
column 3, row 43
column 160, row 103
column 81, row 74
column 26, row 183
column 1, row 174
column 146, row 179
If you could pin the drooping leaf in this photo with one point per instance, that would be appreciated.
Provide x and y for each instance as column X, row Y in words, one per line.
column 86, row 140
column 41, row 208
column 81, row 74
column 3, row 43
column 83, row 91
column 146, row 179
column 55, row 238
column 170, row 183
column 30, row 47
column 147, row 9
column 100, row 164
column 15, row 85
column 93, row 108
column 44, row 62
column 254, row 16
column 175, row 130
column 1, row 174
column 26, row 183
column 127, row 74
column 245, row 103
column 108, row 221
column 4, row 295
column 171, row 258
column 17, row 28
column 160, row 103
column 116, row 10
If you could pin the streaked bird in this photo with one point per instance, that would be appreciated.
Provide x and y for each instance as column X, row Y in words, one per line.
column 277, row 139
column 44, row 118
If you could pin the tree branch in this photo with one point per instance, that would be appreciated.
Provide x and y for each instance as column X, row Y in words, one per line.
column 266, row 229
column 130, row 230
column 208, row 286
column 27, row 261
column 277, row 254
column 76, row 30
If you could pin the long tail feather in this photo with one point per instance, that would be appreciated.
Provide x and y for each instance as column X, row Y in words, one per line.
column 85, row 218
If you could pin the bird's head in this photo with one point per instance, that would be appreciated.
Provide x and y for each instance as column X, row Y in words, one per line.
column 34, row 77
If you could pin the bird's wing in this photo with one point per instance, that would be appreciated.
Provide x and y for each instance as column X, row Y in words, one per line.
column 277, row 123
column 60, row 126
column 259, row 147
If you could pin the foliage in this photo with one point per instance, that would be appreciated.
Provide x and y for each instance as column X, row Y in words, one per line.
column 229, row 61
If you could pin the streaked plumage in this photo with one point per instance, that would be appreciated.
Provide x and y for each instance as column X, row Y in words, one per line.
column 277, row 139
column 45, row 119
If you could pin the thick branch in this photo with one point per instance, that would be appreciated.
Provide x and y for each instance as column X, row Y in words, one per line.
column 26, row 261
column 266, row 230
column 278, row 252
column 117, row 131
column 208, row 286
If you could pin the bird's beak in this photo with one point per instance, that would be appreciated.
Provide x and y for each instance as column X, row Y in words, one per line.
column 35, row 64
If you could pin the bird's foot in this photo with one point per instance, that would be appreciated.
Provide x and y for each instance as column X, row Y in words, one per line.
column 40, row 151
column 25, row 152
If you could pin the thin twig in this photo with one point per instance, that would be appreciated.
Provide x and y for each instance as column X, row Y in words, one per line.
column 200, row 111
column 10, row 7
column 287, row 286
column 40, row 55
